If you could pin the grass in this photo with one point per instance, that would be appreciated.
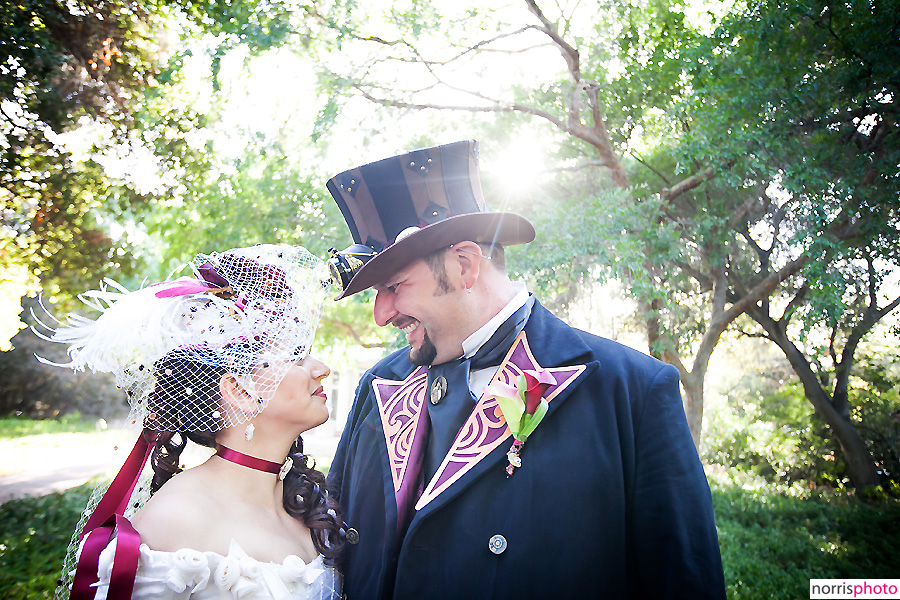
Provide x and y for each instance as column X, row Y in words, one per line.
column 12, row 428
column 773, row 540
column 26, row 442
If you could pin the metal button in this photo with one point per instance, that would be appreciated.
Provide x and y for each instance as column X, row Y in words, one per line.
column 352, row 536
column 438, row 389
column 497, row 544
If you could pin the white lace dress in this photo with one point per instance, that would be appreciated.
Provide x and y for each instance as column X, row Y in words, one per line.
column 206, row 575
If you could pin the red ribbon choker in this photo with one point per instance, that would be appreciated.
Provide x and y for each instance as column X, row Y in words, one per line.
column 252, row 462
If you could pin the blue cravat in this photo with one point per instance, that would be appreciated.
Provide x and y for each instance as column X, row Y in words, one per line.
column 455, row 405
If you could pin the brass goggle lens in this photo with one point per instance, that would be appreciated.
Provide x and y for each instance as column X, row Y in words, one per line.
column 344, row 264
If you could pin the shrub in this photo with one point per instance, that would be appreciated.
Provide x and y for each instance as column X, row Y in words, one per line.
column 775, row 539
column 34, row 536
column 32, row 388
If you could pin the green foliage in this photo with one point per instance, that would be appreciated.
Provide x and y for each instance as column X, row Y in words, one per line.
column 55, row 222
column 259, row 24
column 34, row 535
column 351, row 318
column 792, row 107
column 259, row 197
column 100, row 66
column 776, row 436
column 572, row 246
column 875, row 397
column 64, row 61
column 64, row 65
column 649, row 38
column 780, row 76
column 774, row 540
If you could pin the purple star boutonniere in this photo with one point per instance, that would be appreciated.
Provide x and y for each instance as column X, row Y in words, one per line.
column 524, row 407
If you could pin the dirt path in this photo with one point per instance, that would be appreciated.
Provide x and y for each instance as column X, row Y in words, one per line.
column 42, row 464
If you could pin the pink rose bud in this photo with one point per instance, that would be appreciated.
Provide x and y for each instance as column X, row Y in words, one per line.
column 536, row 384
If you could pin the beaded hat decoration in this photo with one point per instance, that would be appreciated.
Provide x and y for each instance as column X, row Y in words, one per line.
column 248, row 312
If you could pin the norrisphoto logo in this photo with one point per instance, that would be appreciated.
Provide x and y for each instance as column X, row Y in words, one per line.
column 854, row 588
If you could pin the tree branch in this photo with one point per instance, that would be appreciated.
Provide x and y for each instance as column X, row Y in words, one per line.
column 762, row 290
column 570, row 54
column 798, row 299
column 705, row 282
column 686, row 185
column 584, row 165
column 352, row 333
column 843, row 368
column 741, row 213
column 498, row 107
column 638, row 158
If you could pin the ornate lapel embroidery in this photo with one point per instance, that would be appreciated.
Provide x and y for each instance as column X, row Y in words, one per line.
column 405, row 427
column 485, row 429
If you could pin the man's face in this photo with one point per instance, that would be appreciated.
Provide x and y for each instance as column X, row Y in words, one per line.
column 413, row 301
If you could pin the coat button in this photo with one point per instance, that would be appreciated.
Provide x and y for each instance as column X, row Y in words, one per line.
column 497, row 544
column 352, row 536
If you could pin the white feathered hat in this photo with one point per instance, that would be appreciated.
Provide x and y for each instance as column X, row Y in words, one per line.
column 251, row 312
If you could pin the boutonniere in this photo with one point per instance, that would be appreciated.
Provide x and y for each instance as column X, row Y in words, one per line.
column 524, row 407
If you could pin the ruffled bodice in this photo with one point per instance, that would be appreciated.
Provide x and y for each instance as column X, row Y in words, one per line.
column 197, row 575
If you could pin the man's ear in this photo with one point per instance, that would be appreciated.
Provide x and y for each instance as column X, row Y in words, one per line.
column 469, row 257
column 234, row 395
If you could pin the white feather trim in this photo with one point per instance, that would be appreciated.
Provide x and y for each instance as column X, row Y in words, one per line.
column 133, row 327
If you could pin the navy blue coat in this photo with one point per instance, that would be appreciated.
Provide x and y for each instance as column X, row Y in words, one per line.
column 611, row 500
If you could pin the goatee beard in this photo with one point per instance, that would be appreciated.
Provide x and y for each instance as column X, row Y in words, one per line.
column 425, row 355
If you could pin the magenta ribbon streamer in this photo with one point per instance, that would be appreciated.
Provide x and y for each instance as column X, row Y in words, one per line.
column 108, row 518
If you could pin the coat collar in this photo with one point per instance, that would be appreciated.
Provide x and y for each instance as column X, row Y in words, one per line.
column 548, row 343
column 553, row 341
column 397, row 365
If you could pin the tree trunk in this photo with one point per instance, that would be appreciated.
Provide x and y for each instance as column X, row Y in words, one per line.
column 693, row 402
column 691, row 381
column 860, row 465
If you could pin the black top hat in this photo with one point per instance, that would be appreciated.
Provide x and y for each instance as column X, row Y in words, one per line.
column 403, row 207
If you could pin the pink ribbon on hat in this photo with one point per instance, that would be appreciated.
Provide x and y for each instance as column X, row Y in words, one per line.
column 108, row 518
column 182, row 287
column 188, row 287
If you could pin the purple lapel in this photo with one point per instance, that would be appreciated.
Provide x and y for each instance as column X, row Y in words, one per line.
column 485, row 429
column 405, row 425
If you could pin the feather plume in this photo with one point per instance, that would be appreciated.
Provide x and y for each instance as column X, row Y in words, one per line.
column 136, row 327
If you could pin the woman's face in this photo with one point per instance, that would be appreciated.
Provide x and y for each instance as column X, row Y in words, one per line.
column 300, row 398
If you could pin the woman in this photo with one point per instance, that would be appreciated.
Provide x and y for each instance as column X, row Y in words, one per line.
column 220, row 359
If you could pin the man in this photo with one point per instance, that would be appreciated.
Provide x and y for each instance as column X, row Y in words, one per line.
column 606, row 499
